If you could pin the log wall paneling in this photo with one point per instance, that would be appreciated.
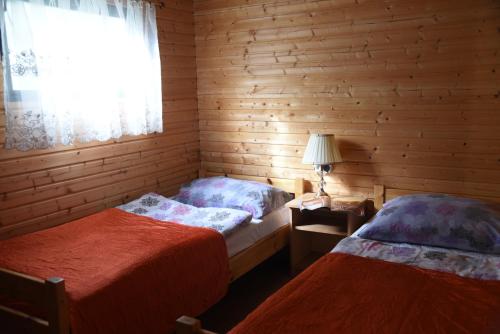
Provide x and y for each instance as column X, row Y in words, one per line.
column 410, row 88
column 48, row 187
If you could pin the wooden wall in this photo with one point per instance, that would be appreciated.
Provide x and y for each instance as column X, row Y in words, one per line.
column 48, row 187
column 410, row 88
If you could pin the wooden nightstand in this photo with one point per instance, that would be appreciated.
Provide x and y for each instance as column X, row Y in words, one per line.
column 316, row 232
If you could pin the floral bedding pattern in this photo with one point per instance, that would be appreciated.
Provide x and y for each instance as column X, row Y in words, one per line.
column 223, row 192
column 438, row 220
column 223, row 220
column 465, row 264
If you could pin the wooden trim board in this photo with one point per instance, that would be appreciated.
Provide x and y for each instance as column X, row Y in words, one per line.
column 383, row 194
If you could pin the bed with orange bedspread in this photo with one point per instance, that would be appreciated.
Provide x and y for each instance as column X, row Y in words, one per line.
column 343, row 293
column 125, row 273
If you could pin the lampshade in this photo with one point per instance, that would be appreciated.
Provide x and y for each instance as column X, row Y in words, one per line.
column 321, row 150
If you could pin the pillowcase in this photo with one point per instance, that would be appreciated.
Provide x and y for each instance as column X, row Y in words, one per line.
column 223, row 192
column 438, row 220
column 223, row 220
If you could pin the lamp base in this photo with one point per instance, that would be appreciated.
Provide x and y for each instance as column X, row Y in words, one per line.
column 320, row 193
column 321, row 170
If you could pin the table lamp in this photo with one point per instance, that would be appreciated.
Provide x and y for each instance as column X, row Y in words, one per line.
column 322, row 152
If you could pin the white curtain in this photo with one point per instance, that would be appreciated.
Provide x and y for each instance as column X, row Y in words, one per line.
column 79, row 70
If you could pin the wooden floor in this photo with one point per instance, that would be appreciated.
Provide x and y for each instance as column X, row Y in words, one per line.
column 248, row 292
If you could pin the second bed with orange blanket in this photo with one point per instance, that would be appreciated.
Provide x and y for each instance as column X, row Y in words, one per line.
column 125, row 273
column 343, row 293
column 426, row 263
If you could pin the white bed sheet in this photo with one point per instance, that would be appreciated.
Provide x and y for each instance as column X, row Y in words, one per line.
column 249, row 234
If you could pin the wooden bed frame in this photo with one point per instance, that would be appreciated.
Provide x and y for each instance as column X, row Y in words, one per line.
column 381, row 194
column 50, row 295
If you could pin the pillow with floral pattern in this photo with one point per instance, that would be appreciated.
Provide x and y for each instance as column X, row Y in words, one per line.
column 223, row 192
column 223, row 220
column 438, row 220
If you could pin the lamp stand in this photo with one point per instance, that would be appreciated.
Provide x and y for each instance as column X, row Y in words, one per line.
column 321, row 170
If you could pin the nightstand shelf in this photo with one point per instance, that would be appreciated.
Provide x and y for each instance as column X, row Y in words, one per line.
column 316, row 232
column 322, row 228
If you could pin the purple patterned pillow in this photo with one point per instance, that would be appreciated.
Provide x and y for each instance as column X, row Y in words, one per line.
column 438, row 220
column 223, row 192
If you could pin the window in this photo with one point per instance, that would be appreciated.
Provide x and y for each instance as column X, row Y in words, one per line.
column 79, row 71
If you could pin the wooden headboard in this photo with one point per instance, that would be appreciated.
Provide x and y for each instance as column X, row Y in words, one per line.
column 296, row 186
column 382, row 194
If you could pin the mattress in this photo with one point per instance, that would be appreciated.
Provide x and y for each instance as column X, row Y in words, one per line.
column 249, row 234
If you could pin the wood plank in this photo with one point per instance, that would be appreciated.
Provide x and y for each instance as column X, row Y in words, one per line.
column 58, row 189
column 321, row 228
column 293, row 186
column 166, row 185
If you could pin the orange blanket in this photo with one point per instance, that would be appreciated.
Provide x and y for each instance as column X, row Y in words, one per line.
column 125, row 273
column 349, row 294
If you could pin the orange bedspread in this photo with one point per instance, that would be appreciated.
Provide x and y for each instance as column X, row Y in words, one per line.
column 125, row 273
column 349, row 294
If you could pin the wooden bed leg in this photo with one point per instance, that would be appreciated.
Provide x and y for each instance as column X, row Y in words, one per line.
column 189, row 325
column 58, row 315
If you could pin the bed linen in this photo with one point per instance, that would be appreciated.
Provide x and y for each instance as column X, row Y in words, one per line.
column 240, row 230
column 125, row 273
column 224, row 192
column 344, row 293
column 462, row 263
column 223, row 220
column 438, row 220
